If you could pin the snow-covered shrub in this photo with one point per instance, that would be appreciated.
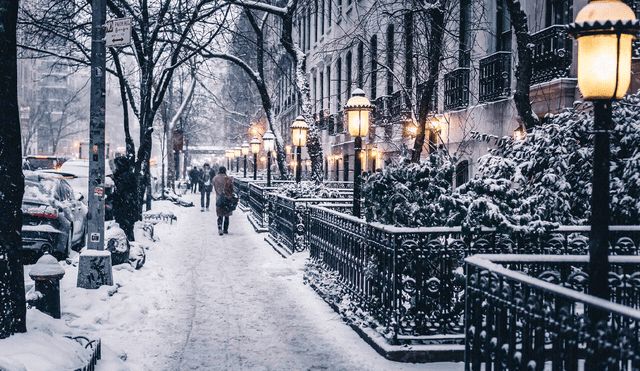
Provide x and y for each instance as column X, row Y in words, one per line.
column 307, row 189
column 409, row 194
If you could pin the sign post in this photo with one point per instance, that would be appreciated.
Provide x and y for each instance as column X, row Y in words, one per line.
column 95, row 263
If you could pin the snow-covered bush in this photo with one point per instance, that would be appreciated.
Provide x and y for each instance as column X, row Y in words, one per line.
column 307, row 189
column 408, row 194
column 533, row 184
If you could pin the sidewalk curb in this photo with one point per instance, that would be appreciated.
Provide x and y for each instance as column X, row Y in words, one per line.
column 255, row 224
column 416, row 353
column 284, row 252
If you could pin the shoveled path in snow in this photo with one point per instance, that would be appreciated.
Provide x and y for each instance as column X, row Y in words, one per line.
column 232, row 303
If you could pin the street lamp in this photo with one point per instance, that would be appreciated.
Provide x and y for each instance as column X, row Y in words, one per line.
column 237, row 152
column 604, row 30
column 255, row 149
column 299, row 137
column 245, row 151
column 228, row 155
column 358, row 108
column 374, row 157
column 268, row 139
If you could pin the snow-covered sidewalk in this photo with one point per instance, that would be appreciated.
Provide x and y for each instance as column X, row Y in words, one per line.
column 209, row 302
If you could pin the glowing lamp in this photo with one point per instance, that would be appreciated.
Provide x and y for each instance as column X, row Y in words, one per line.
column 245, row 148
column 358, row 108
column 604, row 30
column 255, row 145
column 299, row 128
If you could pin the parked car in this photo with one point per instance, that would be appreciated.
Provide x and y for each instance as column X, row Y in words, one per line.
column 80, row 169
column 54, row 219
column 45, row 162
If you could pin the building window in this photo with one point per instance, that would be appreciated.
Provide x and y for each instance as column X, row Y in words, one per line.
column 408, row 50
column 329, row 88
column 374, row 66
column 349, row 73
column 361, row 65
column 559, row 12
column 464, row 56
column 309, row 28
column 329, row 13
column 322, row 17
column 462, row 173
column 321, row 90
column 390, row 36
column 315, row 95
column 315, row 33
column 503, row 28
column 339, row 82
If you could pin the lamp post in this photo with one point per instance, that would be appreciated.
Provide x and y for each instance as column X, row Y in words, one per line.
column 245, row 151
column 358, row 108
column 228, row 155
column 268, row 139
column 255, row 149
column 237, row 152
column 374, row 157
column 604, row 30
column 299, row 138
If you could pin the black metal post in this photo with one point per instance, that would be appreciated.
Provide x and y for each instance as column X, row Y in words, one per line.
column 337, row 169
column 269, row 169
column 599, row 238
column 357, row 169
column 228, row 164
column 298, row 164
column 237, row 164
column 245, row 166
column 373, row 166
column 255, row 166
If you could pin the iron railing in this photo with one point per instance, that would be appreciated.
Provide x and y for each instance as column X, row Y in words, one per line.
column 456, row 89
column 515, row 321
column 289, row 218
column 412, row 279
column 258, row 203
column 551, row 54
column 495, row 77
column 95, row 349
column 400, row 109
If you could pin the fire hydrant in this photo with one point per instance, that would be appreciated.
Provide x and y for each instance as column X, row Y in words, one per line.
column 47, row 273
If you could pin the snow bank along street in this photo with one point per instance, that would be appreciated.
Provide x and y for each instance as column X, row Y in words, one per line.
column 201, row 302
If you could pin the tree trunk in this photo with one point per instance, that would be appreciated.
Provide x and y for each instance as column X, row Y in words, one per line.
column 521, row 97
column 436, row 43
column 12, row 295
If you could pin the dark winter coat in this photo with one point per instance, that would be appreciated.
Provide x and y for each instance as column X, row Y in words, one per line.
column 122, row 198
column 194, row 174
column 223, row 184
column 206, row 180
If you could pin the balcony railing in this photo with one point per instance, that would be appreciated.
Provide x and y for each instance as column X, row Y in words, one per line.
column 495, row 77
column 515, row 321
column 400, row 107
column 456, row 89
column 551, row 54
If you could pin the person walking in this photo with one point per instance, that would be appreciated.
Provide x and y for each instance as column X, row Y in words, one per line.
column 194, row 178
column 206, row 186
column 223, row 184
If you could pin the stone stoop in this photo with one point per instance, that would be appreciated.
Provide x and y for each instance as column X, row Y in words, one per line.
column 278, row 247
column 256, row 224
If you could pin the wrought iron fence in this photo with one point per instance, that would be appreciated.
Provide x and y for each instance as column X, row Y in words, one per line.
column 241, row 188
column 258, row 203
column 551, row 54
column 515, row 321
column 413, row 278
column 456, row 89
column 288, row 219
column 95, row 349
column 495, row 77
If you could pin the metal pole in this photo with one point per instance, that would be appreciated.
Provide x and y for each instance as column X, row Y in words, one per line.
column 269, row 169
column 245, row 166
column 237, row 164
column 298, row 164
column 356, row 177
column 599, row 239
column 255, row 166
column 87, row 277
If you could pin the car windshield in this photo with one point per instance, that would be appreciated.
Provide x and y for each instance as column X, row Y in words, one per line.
column 43, row 163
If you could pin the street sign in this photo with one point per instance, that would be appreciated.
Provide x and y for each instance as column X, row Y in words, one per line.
column 118, row 32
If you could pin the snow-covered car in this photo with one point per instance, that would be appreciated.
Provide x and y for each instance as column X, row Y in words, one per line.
column 80, row 169
column 54, row 219
column 45, row 162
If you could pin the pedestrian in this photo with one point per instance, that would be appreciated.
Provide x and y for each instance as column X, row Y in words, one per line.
column 223, row 184
column 194, row 174
column 123, row 196
column 206, row 187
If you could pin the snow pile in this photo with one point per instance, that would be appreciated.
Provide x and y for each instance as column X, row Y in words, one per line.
column 307, row 189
